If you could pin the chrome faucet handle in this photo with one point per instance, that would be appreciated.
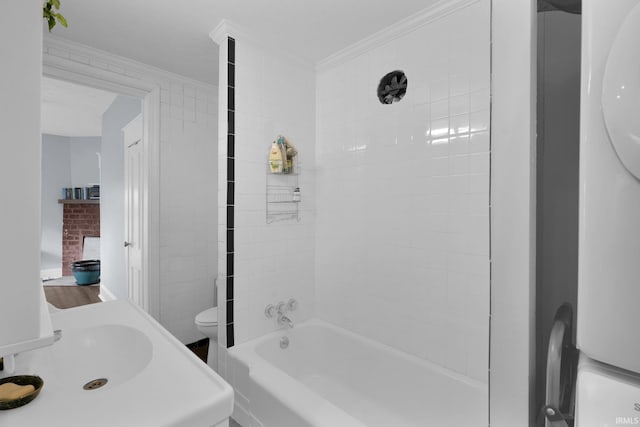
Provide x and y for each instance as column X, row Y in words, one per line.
column 281, row 307
column 292, row 305
column 270, row 311
column 283, row 320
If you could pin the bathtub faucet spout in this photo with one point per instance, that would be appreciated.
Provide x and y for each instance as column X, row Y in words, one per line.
column 285, row 321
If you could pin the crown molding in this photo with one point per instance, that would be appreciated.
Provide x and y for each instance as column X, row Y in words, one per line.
column 78, row 50
column 218, row 33
column 228, row 28
column 399, row 29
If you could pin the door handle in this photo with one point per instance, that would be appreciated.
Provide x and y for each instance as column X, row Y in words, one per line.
column 127, row 244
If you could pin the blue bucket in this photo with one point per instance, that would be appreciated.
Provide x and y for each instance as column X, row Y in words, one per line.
column 86, row 272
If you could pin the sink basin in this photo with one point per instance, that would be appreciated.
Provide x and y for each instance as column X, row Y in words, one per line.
column 115, row 352
column 151, row 378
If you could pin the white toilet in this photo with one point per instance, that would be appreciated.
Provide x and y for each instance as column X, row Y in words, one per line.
column 207, row 323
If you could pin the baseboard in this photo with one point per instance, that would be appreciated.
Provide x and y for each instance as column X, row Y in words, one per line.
column 50, row 273
column 105, row 294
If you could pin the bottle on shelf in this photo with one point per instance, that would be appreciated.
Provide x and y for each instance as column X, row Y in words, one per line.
column 276, row 162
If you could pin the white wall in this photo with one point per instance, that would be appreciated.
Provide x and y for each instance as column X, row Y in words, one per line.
column 513, row 231
column 513, row 209
column 188, row 178
column 273, row 262
column 66, row 162
column 85, row 167
column 402, row 244
column 113, row 272
column 56, row 174
column 20, row 44
column 188, row 208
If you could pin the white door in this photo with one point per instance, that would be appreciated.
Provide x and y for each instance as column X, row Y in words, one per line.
column 134, row 242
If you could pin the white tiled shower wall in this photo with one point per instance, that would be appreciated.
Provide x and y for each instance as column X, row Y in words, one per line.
column 188, row 215
column 402, row 227
column 272, row 262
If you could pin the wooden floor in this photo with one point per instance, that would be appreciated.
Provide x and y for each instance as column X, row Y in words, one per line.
column 72, row 296
column 200, row 348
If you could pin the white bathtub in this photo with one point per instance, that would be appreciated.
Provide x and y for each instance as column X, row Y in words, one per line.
column 329, row 377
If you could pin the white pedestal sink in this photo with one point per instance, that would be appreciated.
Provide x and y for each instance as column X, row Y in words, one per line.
column 151, row 378
column 115, row 352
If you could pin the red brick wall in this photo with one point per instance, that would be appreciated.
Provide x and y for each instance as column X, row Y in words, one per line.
column 78, row 220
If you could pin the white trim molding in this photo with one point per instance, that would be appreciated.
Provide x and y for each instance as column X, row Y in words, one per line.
column 151, row 200
column 513, row 213
column 98, row 62
column 51, row 273
column 105, row 294
column 399, row 29
column 227, row 28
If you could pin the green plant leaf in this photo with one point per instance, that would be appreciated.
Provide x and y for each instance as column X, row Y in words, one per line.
column 49, row 14
column 62, row 20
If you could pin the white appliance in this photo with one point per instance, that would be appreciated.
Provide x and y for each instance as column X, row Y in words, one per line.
column 608, row 312
column 606, row 395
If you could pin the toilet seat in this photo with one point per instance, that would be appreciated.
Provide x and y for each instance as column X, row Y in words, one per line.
column 207, row 323
column 208, row 317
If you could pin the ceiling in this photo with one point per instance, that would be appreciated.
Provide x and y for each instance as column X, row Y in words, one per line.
column 174, row 35
column 69, row 109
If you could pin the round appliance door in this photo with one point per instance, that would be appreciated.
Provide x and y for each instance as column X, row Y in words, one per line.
column 621, row 93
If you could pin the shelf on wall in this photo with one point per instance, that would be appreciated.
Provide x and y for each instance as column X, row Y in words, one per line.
column 283, row 174
column 282, row 216
column 79, row 201
column 281, row 205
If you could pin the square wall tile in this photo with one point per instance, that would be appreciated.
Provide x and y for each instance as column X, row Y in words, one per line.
column 402, row 193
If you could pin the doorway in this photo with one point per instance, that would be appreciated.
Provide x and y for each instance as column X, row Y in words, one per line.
column 71, row 148
column 127, row 103
column 83, row 199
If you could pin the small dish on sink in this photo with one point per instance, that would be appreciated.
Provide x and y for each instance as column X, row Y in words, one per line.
column 22, row 380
